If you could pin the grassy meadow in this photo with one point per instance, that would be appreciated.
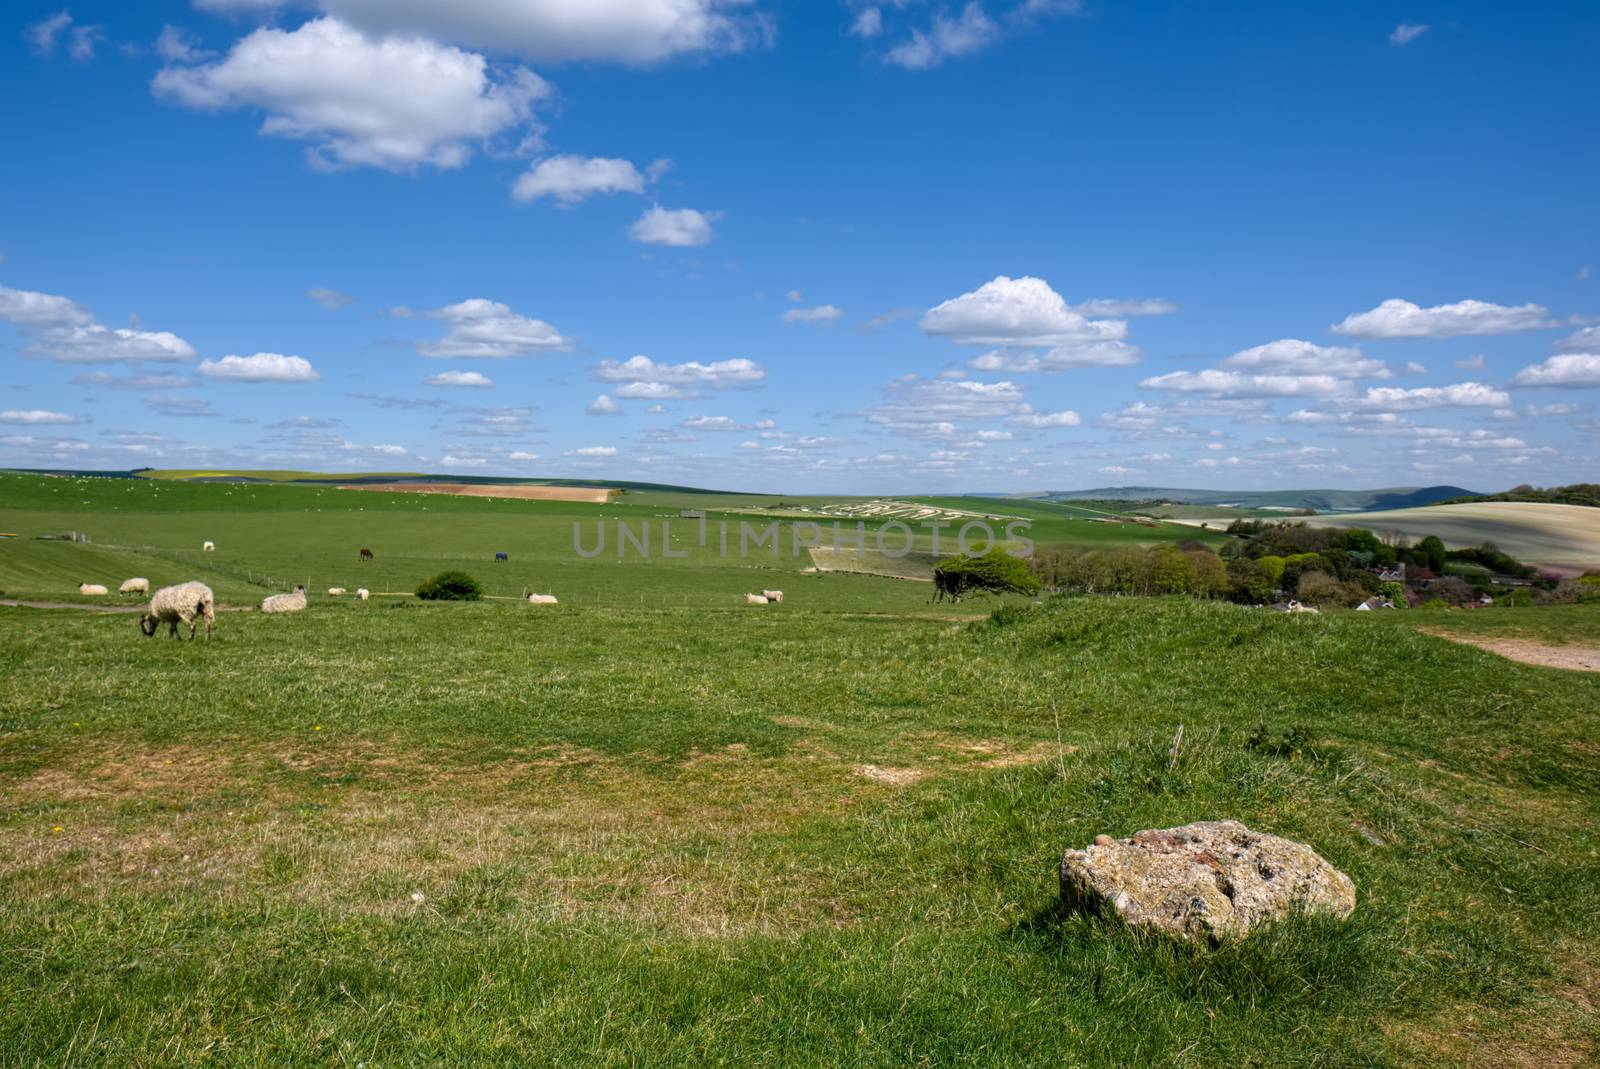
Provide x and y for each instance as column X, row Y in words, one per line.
column 669, row 829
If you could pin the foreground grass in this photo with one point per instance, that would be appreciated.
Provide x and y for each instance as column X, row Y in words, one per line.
column 479, row 835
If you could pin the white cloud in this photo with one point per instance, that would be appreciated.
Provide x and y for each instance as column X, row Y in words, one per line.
column 823, row 313
column 945, row 38
column 81, row 39
column 1234, row 384
column 713, row 423
column 35, row 416
column 133, row 382
column 604, row 406
column 867, row 23
column 593, row 451
column 570, row 179
column 680, row 228
column 878, row 322
column 1016, row 312
column 177, row 45
column 1586, row 340
column 632, row 31
column 643, row 371
column 1396, row 318
column 183, row 407
column 1059, row 358
column 937, row 409
column 395, row 102
column 469, row 379
column 1103, row 306
column 332, row 300
column 489, row 330
column 653, row 391
column 1290, row 356
column 1563, row 369
column 521, row 455
column 1472, row 363
column 1407, row 32
column 462, row 462
column 1041, row 420
column 64, row 331
column 262, row 367
column 1459, row 395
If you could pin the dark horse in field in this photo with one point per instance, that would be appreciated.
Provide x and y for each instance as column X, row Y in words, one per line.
column 366, row 554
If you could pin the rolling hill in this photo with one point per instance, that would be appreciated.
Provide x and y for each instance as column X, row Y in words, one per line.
column 1394, row 497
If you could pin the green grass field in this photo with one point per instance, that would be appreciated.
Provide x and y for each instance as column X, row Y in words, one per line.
column 639, row 831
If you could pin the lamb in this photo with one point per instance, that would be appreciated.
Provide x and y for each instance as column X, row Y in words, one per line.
column 335, row 591
column 286, row 602
column 209, row 547
column 363, row 593
column 134, row 586
column 773, row 595
column 755, row 599
column 92, row 588
column 542, row 599
column 179, row 604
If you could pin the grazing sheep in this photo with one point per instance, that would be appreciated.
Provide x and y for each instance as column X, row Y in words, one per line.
column 363, row 593
column 502, row 556
column 366, row 554
column 335, row 591
column 134, row 586
column 92, row 588
column 755, row 599
column 286, row 602
column 773, row 595
column 542, row 599
column 208, row 547
column 179, row 604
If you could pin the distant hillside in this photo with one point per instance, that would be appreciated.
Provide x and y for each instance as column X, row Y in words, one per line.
column 1586, row 494
column 1394, row 497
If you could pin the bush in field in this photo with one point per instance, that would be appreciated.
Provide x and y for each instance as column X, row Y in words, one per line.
column 996, row 571
column 1324, row 591
column 450, row 586
column 1395, row 592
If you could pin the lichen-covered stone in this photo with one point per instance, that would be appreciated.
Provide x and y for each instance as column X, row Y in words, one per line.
column 1215, row 879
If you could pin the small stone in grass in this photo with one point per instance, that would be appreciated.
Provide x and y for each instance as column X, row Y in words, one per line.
column 417, row 897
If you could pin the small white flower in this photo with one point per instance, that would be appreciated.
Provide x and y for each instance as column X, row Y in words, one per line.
column 417, row 897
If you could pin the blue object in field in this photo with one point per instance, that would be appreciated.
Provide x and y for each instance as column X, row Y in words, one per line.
column 501, row 556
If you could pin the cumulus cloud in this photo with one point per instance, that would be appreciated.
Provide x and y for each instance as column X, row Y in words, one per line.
column 1059, row 358
column 713, row 423
column 262, row 367
column 393, row 102
column 469, row 379
column 1396, row 318
column 945, row 38
column 1586, row 340
column 1458, row 395
column 680, row 228
column 593, row 451
column 570, row 179
column 1016, row 312
column 1290, row 356
column 489, row 330
column 1235, row 384
column 332, row 300
column 62, row 330
column 945, row 409
column 603, row 405
column 822, row 313
column 1563, row 369
column 177, row 45
column 1407, row 32
column 630, row 31
column 35, row 416
column 641, row 371
column 1041, row 420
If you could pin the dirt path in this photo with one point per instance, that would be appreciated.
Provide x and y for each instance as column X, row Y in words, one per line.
column 1527, row 651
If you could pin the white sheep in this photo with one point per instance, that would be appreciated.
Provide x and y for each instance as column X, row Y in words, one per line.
column 209, row 547
column 755, row 599
column 92, row 588
column 134, row 586
column 285, row 602
column 542, row 599
column 335, row 591
column 182, row 603
column 363, row 593
column 773, row 595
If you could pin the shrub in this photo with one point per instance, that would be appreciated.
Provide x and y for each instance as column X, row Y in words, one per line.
column 996, row 571
column 450, row 586
column 1324, row 591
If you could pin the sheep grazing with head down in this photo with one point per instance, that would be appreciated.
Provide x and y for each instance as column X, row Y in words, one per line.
column 773, row 595
column 208, row 547
column 134, row 586
column 94, row 589
column 184, row 603
column 286, row 602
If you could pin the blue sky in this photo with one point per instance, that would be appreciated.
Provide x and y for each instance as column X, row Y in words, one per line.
column 805, row 247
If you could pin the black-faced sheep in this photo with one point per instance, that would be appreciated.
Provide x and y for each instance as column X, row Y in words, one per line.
column 183, row 603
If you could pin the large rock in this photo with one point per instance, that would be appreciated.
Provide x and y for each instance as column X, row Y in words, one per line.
column 1215, row 879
